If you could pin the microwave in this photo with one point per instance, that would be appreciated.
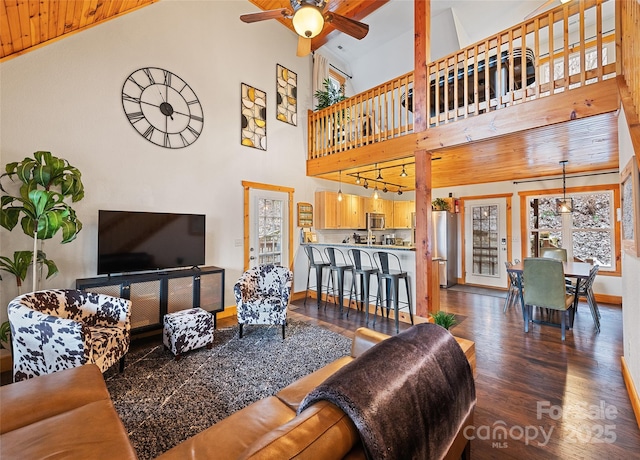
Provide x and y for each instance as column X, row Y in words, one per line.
column 375, row 221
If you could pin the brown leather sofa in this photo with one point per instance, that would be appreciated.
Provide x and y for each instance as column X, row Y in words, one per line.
column 270, row 428
column 69, row 414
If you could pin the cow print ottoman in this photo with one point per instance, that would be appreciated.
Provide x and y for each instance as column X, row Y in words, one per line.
column 187, row 330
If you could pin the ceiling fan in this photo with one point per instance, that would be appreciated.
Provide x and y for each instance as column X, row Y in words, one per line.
column 308, row 20
column 548, row 5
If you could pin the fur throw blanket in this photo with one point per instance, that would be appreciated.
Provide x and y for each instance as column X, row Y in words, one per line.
column 408, row 396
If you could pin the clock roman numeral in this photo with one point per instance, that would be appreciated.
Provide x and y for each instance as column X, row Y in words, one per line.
column 126, row 97
column 149, row 132
column 149, row 76
column 134, row 81
column 195, row 101
column 135, row 117
column 184, row 140
column 167, row 142
column 196, row 118
column 167, row 78
column 193, row 131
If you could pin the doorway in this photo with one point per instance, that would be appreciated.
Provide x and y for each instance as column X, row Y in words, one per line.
column 268, row 225
column 486, row 242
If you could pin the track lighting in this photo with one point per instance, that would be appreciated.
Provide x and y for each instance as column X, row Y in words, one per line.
column 399, row 192
column 385, row 189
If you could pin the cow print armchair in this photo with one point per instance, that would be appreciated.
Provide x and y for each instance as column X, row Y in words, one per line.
column 53, row 330
column 262, row 296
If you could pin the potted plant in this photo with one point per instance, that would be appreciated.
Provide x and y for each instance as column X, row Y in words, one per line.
column 329, row 96
column 444, row 319
column 440, row 204
column 40, row 209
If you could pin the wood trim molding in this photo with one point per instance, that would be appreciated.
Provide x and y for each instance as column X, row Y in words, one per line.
column 509, row 224
column 631, row 389
column 247, row 185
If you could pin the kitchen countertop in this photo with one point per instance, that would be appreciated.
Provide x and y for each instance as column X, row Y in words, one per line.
column 386, row 247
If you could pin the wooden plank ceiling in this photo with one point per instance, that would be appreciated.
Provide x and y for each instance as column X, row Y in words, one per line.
column 28, row 24
column 589, row 144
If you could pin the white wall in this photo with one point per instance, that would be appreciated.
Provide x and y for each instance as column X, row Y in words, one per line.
column 631, row 279
column 66, row 98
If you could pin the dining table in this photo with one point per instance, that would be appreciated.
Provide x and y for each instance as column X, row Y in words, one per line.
column 576, row 270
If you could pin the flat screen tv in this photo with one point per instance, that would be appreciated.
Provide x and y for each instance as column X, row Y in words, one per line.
column 143, row 241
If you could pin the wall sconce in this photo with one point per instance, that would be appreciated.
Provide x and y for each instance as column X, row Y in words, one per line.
column 565, row 205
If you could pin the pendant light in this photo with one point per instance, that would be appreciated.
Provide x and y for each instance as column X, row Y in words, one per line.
column 357, row 178
column 340, row 187
column 375, row 192
column 565, row 205
column 403, row 173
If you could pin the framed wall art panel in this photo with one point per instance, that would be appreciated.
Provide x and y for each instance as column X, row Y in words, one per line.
column 253, row 117
column 630, row 208
column 287, row 91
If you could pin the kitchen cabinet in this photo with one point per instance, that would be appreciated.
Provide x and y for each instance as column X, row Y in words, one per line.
column 380, row 206
column 333, row 214
column 402, row 211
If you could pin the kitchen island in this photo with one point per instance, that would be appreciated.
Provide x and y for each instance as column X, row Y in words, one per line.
column 406, row 254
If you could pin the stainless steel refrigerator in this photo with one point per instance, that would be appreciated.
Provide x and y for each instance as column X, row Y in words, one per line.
column 445, row 246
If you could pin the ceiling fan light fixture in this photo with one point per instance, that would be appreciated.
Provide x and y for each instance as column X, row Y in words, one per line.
column 308, row 21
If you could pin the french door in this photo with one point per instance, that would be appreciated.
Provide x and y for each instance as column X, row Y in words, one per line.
column 486, row 242
column 269, row 234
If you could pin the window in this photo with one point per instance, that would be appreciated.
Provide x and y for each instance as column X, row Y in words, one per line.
column 587, row 233
column 270, row 230
column 337, row 80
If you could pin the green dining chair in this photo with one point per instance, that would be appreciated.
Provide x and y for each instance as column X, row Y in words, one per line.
column 554, row 253
column 544, row 287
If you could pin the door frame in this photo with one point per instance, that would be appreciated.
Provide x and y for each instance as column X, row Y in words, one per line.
column 509, row 224
column 247, row 216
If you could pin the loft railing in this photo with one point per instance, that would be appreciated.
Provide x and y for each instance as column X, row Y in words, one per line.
column 568, row 47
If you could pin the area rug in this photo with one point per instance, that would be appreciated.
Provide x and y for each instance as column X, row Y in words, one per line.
column 162, row 401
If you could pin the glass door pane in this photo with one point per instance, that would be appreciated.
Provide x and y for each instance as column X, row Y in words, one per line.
column 270, row 231
column 485, row 240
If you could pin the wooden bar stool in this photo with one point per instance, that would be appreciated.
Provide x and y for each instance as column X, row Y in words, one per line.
column 390, row 271
column 363, row 273
column 338, row 266
column 317, row 263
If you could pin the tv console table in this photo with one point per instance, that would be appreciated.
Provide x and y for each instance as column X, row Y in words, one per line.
column 155, row 294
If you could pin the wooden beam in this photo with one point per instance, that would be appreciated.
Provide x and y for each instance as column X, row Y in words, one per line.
column 424, row 271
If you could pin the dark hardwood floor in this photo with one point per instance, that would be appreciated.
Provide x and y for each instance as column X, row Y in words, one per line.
column 538, row 397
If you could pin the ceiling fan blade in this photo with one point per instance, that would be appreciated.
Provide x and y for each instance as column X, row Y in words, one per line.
column 263, row 15
column 349, row 26
column 542, row 8
column 304, row 46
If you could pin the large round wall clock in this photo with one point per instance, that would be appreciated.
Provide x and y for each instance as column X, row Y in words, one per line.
column 162, row 107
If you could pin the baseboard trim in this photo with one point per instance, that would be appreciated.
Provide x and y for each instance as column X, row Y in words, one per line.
column 609, row 299
column 631, row 389
column 228, row 311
